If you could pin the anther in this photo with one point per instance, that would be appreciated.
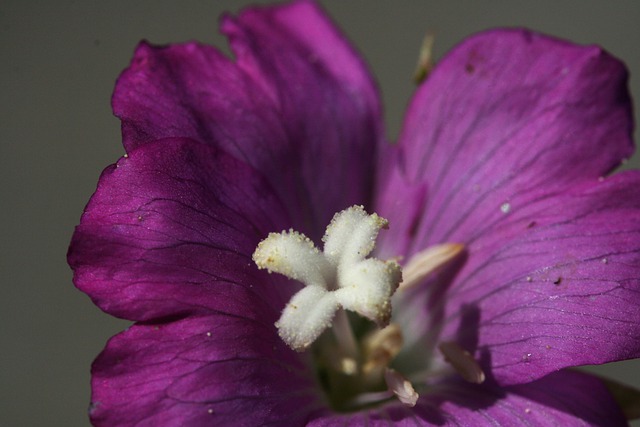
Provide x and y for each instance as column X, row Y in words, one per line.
column 462, row 361
column 381, row 347
column 401, row 387
column 429, row 261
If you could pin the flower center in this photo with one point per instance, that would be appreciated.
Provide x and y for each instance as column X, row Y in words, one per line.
column 354, row 361
column 339, row 277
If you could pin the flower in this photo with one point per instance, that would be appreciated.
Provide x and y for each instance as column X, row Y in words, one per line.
column 520, row 253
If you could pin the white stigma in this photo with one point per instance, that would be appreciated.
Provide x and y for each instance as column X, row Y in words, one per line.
column 339, row 277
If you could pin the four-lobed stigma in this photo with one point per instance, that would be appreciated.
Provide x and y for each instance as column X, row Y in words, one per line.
column 340, row 277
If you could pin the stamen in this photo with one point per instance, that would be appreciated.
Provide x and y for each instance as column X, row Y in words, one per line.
column 429, row 261
column 370, row 398
column 462, row 361
column 344, row 336
column 381, row 347
column 425, row 59
column 401, row 387
column 339, row 277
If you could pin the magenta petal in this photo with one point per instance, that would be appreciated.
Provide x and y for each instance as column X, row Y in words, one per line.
column 298, row 105
column 564, row 398
column 557, row 285
column 170, row 231
column 511, row 114
column 201, row 371
column 501, row 151
column 400, row 200
column 510, row 134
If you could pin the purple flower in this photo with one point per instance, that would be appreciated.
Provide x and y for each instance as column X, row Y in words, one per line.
column 520, row 254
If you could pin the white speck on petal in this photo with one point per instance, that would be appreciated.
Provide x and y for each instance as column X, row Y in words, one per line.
column 505, row 208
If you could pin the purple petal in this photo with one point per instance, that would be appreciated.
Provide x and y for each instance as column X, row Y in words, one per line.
column 298, row 105
column 556, row 285
column 510, row 133
column 508, row 116
column 201, row 371
column 564, row 398
column 399, row 199
column 170, row 231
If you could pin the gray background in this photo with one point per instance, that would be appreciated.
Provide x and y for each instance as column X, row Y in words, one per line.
column 59, row 63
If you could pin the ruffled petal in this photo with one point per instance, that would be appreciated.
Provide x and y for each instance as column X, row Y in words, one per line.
column 201, row 371
column 507, row 117
column 170, row 231
column 297, row 105
column 557, row 285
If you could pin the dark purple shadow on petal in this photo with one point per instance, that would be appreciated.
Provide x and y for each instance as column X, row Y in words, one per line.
column 467, row 335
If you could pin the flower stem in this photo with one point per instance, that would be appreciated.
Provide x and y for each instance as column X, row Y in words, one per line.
column 344, row 335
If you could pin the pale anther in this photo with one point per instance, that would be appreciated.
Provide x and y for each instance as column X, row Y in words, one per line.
column 429, row 261
column 401, row 387
column 425, row 59
column 381, row 347
column 462, row 361
column 341, row 276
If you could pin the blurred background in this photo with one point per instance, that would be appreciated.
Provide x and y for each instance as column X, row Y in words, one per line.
column 59, row 63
